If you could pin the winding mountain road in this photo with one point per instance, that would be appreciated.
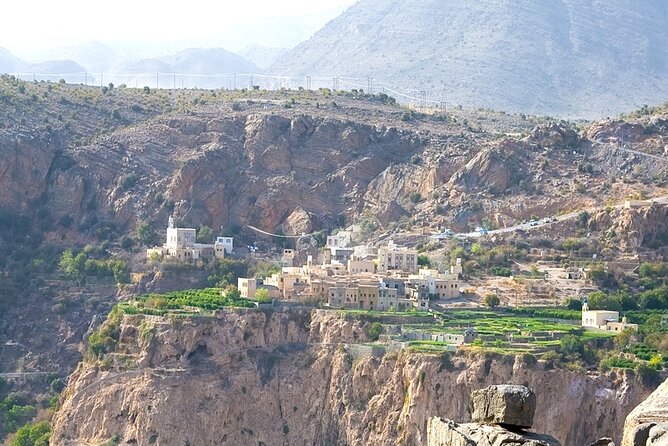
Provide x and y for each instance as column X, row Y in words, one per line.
column 550, row 220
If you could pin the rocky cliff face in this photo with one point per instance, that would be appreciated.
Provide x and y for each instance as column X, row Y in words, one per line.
column 314, row 165
column 282, row 378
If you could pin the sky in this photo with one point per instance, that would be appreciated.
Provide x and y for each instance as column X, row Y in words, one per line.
column 30, row 29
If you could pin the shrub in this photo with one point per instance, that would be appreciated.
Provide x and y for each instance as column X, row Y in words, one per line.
column 491, row 300
column 571, row 345
column 128, row 180
column 415, row 197
column 36, row 434
column 502, row 271
column 423, row 260
column 127, row 242
column 262, row 296
column 374, row 331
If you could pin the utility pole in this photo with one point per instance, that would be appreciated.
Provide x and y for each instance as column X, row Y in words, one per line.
column 443, row 107
column 101, row 79
column 235, row 80
column 175, row 82
column 335, row 84
column 308, row 83
column 250, row 82
column 423, row 99
column 370, row 84
column 85, row 78
column 156, row 81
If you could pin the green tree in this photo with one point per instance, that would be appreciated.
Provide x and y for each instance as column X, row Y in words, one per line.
column 119, row 270
column 571, row 244
column 423, row 260
column 583, row 218
column 625, row 338
column 205, row 234
column 71, row 266
column 145, row 234
column 491, row 300
column 226, row 271
column 262, row 296
column 456, row 253
column 374, row 331
column 534, row 271
column 477, row 249
column 36, row 434
column 655, row 299
column 571, row 345
column 573, row 303
column 599, row 300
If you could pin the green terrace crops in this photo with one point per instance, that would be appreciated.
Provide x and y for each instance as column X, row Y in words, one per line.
column 504, row 324
column 505, row 331
column 186, row 302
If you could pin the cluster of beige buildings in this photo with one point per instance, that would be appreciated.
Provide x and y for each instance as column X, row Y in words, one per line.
column 360, row 277
column 181, row 244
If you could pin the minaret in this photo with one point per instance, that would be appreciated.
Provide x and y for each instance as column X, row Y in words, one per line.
column 585, row 305
column 171, row 222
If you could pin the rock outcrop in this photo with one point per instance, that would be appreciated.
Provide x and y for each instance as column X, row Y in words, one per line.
column 647, row 424
column 252, row 377
column 499, row 414
column 442, row 432
column 506, row 405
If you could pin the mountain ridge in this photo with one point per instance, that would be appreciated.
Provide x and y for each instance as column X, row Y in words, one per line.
column 564, row 58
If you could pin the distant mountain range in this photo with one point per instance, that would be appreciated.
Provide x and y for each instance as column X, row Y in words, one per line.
column 569, row 58
column 195, row 67
column 12, row 64
column 561, row 57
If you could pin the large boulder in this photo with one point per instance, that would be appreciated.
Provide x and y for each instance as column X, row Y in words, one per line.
column 658, row 435
column 443, row 432
column 647, row 424
column 506, row 405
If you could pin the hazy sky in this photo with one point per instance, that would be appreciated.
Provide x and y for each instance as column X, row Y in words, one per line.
column 28, row 28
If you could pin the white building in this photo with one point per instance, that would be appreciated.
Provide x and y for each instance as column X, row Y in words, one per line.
column 224, row 245
column 181, row 244
column 604, row 319
column 340, row 240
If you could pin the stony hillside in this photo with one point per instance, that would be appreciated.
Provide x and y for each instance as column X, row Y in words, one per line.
column 565, row 58
column 285, row 378
column 83, row 166
column 87, row 160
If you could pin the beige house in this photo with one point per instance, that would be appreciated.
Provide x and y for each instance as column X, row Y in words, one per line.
column 368, row 295
column 440, row 286
column 247, row 287
column 392, row 257
column 387, row 298
column 358, row 266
